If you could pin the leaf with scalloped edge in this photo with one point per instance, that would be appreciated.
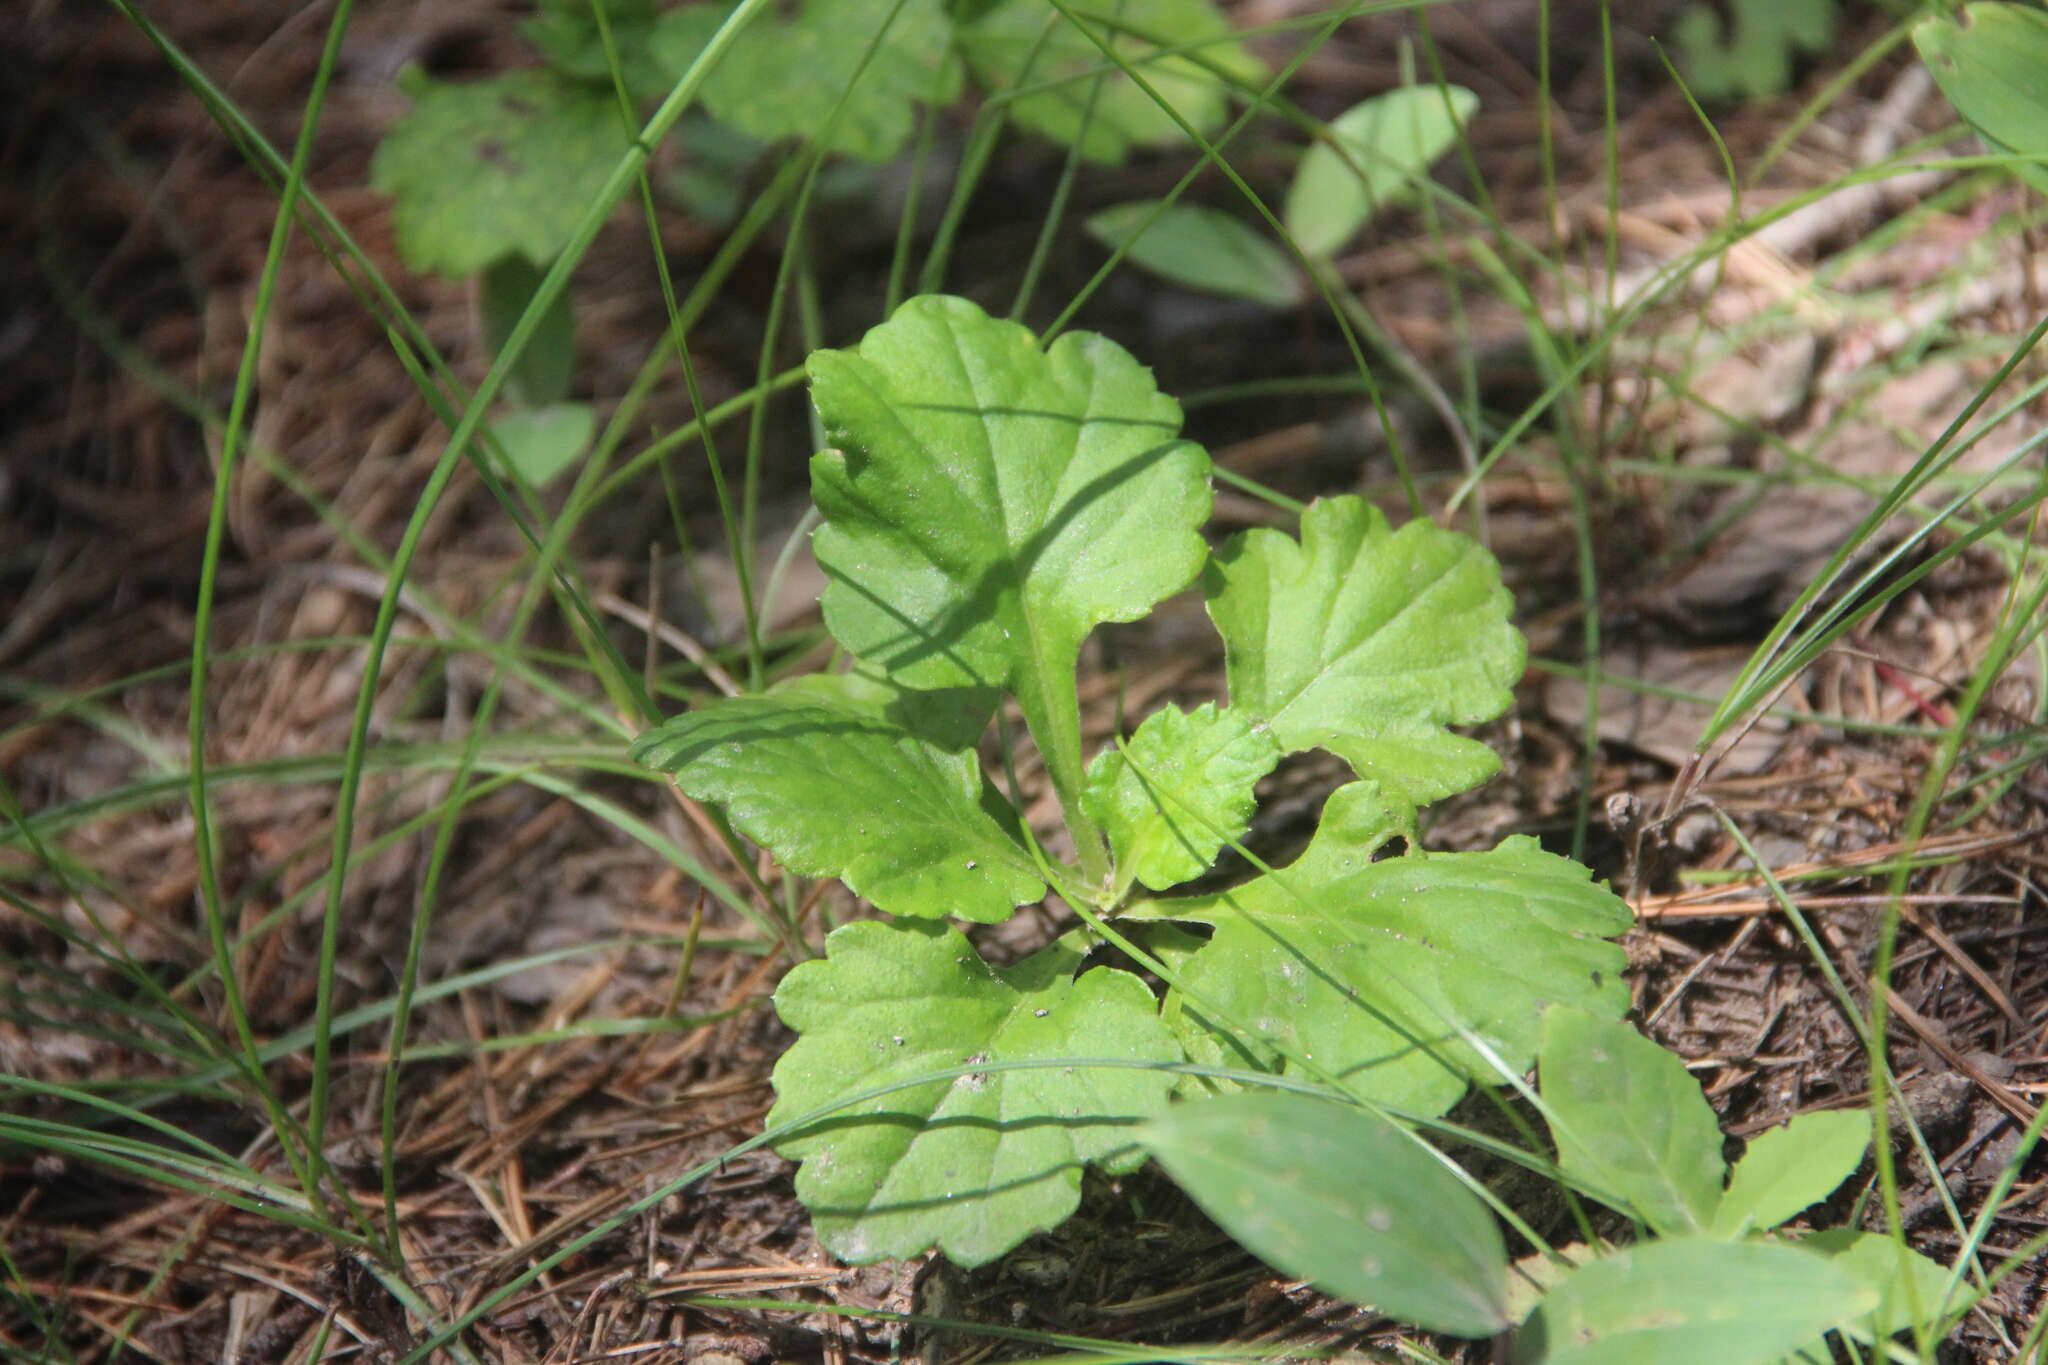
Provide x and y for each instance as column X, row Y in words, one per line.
column 486, row 169
column 910, row 826
column 1381, row 970
column 1027, row 45
column 1177, row 790
column 1369, row 642
column 1752, row 56
column 565, row 32
column 971, row 1164
column 783, row 77
column 988, row 503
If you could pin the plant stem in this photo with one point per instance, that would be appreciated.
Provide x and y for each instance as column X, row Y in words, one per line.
column 1052, row 711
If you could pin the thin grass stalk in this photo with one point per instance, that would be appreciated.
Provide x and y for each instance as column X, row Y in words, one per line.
column 1212, row 154
column 982, row 138
column 115, row 957
column 557, row 278
column 678, row 333
column 302, row 1149
column 1755, row 674
column 906, row 220
column 1063, row 188
column 771, row 332
column 2021, row 612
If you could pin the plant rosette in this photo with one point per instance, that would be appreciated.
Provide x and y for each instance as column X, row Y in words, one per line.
column 986, row 503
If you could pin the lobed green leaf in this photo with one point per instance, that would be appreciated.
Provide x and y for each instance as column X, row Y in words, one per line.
column 565, row 32
column 1368, row 642
column 837, row 793
column 1751, row 56
column 1413, row 976
column 950, row 717
column 1177, row 790
column 970, row 1164
column 987, row 504
column 784, row 77
column 1065, row 89
column 487, row 169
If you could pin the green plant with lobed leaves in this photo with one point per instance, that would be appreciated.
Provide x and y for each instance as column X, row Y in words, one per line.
column 987, row 503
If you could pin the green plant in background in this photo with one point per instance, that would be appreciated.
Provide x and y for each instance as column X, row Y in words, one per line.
column 490, row 176
column 490, row 179
column 1750, row 55
column 1993, row 66
column 1371, row 158
column 1341, row 1196
column 986, row 504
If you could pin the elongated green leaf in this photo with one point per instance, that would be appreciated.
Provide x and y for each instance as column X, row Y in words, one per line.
column 784, row 77
column 1991, row 66
column 1376, row 152
column 491, row 168
column 1202, row 248
column 1379, row 970
column 1367, row 642
column 1690, row 1301
column 903, row 822
column 1789, row 1168
column 544, row 369
column 1027, row 46
column 1174, row 793
column 987, row 504
column 972, row 1164
column 541, row 443
column 1333, row 1194
column 1630, row 1121
column 1910, row 1289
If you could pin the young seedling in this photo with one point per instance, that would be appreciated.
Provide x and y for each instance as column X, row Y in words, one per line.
column 1344, row 1197
column 987, row 503
column 1371, row 159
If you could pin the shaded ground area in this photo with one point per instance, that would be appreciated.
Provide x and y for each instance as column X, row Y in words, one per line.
column 1736, row 434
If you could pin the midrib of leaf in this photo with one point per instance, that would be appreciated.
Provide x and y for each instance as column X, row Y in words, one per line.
column 1046, row 691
